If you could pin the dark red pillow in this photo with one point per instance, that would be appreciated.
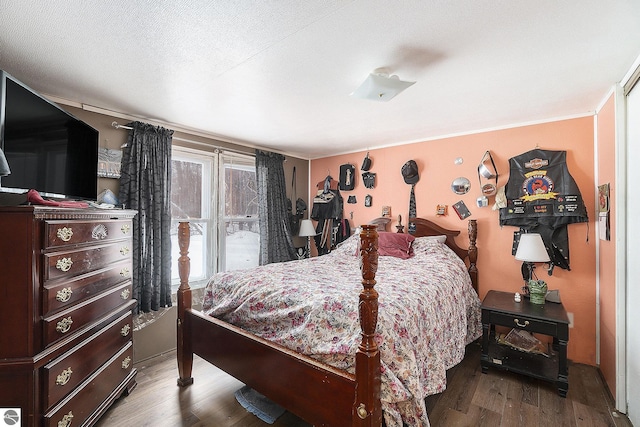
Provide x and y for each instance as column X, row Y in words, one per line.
column 398, row 245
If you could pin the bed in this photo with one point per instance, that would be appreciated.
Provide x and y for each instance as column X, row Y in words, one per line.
column 340, row 378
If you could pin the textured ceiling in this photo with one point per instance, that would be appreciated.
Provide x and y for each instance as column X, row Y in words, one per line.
column 278, row 73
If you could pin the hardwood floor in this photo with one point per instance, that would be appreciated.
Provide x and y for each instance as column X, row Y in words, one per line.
column 471, row 399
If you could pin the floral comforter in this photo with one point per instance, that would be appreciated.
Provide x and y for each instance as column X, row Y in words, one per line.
column 428, row 312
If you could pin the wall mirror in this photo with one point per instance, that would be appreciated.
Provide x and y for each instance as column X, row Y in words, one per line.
column 461, row 185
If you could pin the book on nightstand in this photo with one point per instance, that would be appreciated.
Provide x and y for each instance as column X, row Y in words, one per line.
column 523, row 341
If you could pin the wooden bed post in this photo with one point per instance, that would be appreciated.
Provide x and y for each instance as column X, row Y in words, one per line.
column 185, row 352
column 473, row 253
column 367, row 409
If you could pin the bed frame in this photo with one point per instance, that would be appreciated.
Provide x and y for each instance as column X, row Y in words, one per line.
column 316, row 392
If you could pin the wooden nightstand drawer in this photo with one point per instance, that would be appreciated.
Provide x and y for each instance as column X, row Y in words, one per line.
column 66, row 233
column 521, row 322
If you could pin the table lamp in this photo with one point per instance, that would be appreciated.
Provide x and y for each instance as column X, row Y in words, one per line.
column 307, row 230
column 530, row 250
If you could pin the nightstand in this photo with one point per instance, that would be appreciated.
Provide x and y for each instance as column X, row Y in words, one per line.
column 499, row 308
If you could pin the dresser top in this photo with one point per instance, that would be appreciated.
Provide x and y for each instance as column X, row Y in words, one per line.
column 49, row 212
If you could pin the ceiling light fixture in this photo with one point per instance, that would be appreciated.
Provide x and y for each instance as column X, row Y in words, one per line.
column 380, row 86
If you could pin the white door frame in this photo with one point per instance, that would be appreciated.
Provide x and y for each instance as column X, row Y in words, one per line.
column 621, row 248
column 622, row 268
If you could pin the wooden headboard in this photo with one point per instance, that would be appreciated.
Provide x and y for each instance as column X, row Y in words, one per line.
column 424, row 227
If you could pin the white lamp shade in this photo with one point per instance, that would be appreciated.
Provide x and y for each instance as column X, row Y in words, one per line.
column 380, row 87
column 531, row 248
column 4, row 166
column 306, row 228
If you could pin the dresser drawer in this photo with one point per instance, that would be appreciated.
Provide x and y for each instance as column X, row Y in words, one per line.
column 521, row 322
column 80, row 261
column 59, row 295
column 68, row 321
column 64, row 233
column 90, row 395
column 63, row 374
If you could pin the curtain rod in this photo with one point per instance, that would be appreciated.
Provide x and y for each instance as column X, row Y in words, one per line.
column 175, row 127
column 118, row 126
column 177, row 138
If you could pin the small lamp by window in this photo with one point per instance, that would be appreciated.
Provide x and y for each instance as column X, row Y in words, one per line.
column 307, row 230
column 531, row 250
column 4, row 166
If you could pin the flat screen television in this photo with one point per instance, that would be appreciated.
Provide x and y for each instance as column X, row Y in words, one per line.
column 47, row 149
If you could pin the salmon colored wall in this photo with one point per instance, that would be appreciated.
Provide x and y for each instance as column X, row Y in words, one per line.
column 607, row 262
column 498, row 269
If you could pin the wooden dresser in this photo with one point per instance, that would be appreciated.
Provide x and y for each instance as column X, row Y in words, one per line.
column 66, row 350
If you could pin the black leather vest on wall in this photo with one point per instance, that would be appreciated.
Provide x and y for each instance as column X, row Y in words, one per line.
column 543, row 197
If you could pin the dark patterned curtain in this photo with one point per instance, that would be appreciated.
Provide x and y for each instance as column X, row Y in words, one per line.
column 145, row 185
column 276, row 244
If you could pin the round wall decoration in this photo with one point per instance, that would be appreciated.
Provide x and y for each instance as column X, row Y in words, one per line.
column 461, row 185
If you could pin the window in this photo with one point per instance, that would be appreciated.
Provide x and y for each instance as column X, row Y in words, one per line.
column 216, row 193
column 241, row 237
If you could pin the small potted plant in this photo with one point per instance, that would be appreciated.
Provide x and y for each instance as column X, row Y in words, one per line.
column 537, row 291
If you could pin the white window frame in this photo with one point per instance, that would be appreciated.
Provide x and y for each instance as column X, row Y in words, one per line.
column 209, row 162
column 213, row 199
column 239, row 161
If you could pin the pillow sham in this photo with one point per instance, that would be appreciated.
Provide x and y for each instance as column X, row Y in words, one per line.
column 398, row 245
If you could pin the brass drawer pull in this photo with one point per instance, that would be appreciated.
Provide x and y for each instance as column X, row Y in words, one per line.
column 125, row 330
column 125, row 229
column 99, row 232
column 124, row 250
column 522, row 325
column 64, row 264
column 64, row 233
column 64, row 325
column 126, row 362
column 362, row 411
column 66, row 420
column 124, row 272
column 125, row 294
column 64, row 295
column 64, row 377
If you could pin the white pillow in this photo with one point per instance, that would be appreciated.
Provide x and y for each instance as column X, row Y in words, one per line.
column 439, row 239
column 427, row 243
